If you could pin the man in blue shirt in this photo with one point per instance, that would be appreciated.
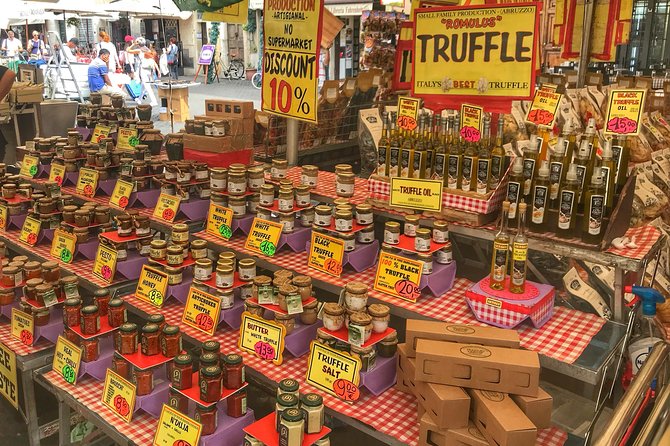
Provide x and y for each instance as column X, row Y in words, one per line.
column 98, row 76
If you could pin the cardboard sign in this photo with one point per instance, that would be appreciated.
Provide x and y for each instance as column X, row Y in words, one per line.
column 67, row 359
column 87, row 183
column 263, row 338
column 121, row 194
column 126, row 139
column 544, row 108
column 63, row 246
column 408, row 113
column 4, row 217
column 202, row 311
column 325, row 254
column 23, row 326
column 412, row 193
column 119, row 396
column 152, row 286
column 326, row 366
column 291, row 58
column 471, row 122
column 625, row 112
column 220, row 221
column 57, row 173
column 167, row 207
column 263, row 237
column 105, row 263
column 8, row 375
column 29, row 166
column 99, row 133
column 176, row 429
column 398, row 276
column 30, row 230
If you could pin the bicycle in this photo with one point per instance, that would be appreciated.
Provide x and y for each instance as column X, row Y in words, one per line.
column 257, row 79
column 233, row 71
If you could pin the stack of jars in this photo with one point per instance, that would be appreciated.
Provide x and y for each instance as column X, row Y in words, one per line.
column 46, row 205
column 217, row 372
column 170, row 256
column 13, row 188
column 83, row 220
column 186, row 179
column 223, row 273
column 103, row 157
column 129, row 224
column 140, row 171
column 237, row 187
column 343, row 215
column 46, row 148
column 293, row 295
column 346, row 180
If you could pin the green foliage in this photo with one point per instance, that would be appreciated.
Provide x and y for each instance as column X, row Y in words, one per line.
column 213, row 39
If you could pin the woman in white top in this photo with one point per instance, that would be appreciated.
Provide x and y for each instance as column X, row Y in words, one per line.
column 109, row 46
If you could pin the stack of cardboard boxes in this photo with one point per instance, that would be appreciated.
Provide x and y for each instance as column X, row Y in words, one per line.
column 236, row 117
column 474, row 385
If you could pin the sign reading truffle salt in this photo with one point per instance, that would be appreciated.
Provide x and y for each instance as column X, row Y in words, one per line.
column 63, row 246
column 624, row 114
column 30, row 230
column 99, row 133
column 262, row 337
column 471, row 122
column 119, row 395
column 105, row 263
column 398, row 276
column 152, row 286
column 202, row 311
column 176, row 429
column 121, row 194
column 23, row 326
column 220, row 221
column 4, row 217
column 29, row 166
column 8, row 375
column 292, row 30
column 542, row 111
column 263, row 237
column 333, row 370
column 67, row 359
column 325, row 254
column 167, row 207
column 484, row 55
column 408, row 113
column 57, row 173
column 413, row 193
column 126, row 139
column 87, row 183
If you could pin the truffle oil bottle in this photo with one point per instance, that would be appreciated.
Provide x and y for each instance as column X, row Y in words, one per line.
column 500, row 252
column 567, row 208
column 455, row 159
column 470, row 159
column 517, row 282
column 515, row 189
column 539, row 205
column 384, row 146
column 594, row 209
column 497, row 156
column 530, row 155
column 484, row 161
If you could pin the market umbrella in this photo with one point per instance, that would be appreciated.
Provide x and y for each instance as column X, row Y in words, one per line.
column 203, row 5
column 147, row 8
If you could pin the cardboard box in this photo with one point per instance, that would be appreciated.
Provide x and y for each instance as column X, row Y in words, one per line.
column 406, row 371
column 226, row 108
column 466, row 436
column 217, row 144
column 500, row 420
column 234, row 126
column 448, row 406
column 537, row 409
column 466, row 334
column 478, row 367
column 431, row 435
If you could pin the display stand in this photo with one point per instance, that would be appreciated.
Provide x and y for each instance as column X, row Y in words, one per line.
column 51, row 330
column 265, row 431
column 194, row 209
column 243, row 223
column 296, row 240
column 229, row 431
column 382, row 377
column 233, row 316
column 131, row 268
column 153, row 403
column 144, row 199
column 16, row 221
column 98, row 369
column 88, row 249
column 441, row 280
column 70, row 179
column 106, row 187
column 6, row 310
column 361, row 258
column 85, row 133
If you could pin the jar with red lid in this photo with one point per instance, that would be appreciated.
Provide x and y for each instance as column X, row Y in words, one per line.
column 181, row 373
column 170, row 341
column 237, row 404
column 90, row 349
column 71, row 310
column 101, row 298
column 178, row 401
column 144, row 381
column 121, row 366
column 157, row 319
column 206, row 416
column 233, row 366
column 150, row 340
column 116, row 313
column 125, row 339
column 89, row 320
column 210, row 384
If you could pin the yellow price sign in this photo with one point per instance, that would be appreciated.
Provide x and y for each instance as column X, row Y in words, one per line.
column 121, row 194
column 23, row 326
column 105, row 263
column 57, row 173
column 262, row 337
column 152, row 286
column 471, row 122
column 30, row 230
column 8, row 375
column 625, row 112
column 4, row 217
column 412, row 193
column 67, row 359
column 176, row 429
column 87, row 183
column 167, row 207
column 263, row 237
column 202, row 311
column 333, row 371
column 119, row 396
column 126, row 139
column 220, row 221
column 325, row 254
column 63, row 246
column 99, row 133
column 408, row 113
column 29, row 166
column 398, row 276
column 543, row 109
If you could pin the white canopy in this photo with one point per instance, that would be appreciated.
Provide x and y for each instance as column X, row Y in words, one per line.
column 148, row 8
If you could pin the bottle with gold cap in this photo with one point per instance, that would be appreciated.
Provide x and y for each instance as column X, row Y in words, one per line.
column 517, row 282
column 567, row 207
column 500, row 252
column 594, row 209
column 455, row 159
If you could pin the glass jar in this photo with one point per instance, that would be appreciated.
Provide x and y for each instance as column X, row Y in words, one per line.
column 312, row 407
column 343, row 168
column 68, row 213
column 121, row 367
column 71, row 309
column 366, row 235
column 211, row 347
column 444, row 255
column 309, row 313
column 236, row 404
column 440, row 231
column 287, row 320
column 170, row 341
column 345, row 184
column 227, row 258
column 175, row 275
column 307, row 217
column 392, row 232
column 367, row 356
column 210, row 384
column 422, row 240
column 144, row 381
column 302, row 196
column 225, row 276
column 227, row 298
column 233, row 367
column 207, row 417
column 89, row 320
column 116, row 314
column 30, row 288
column 208, row 360
column 158, row 250
column 323, row 215
column 253, row 308
column 238, row 205
column 101, row 298
column 267, row 195
column 124, row 225
column 349, row 239
column 333, row 316
column 304, row 285
column 309, row 175
column 343, row 221
column 364, row 215
column 157, row 319
column 246, row 269
column 175, row 255
column 198, row 249
column 8, row 276
column 50, row 271
column 285, row 201
column 427, row 263
column 290, row 386
column 288, row 223
column 388, row 346
column 284, row 402
column 32, row 270
column 360, row 324
column 285, row 291
column 178, row 401
column 237, row 183
column 218, row 177
column 256, row 178
column 411, row 225
column 142, row 225
column 40, row 316
column 150, row 340
column 180, row 233
column 203, row 269
column 90, row 350
column 246, row 290
column 380, row 317
column 126, row 339
column 291, row 427
column 356, row 296
column 279, row 169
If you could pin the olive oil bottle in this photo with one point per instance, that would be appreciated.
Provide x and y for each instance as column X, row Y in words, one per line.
column 530, row 155
column 570, row 141
column 594, row 209
column 567, row 207
column 455, row 160
column 517, row 283
column 440, row 165
column 557, row 170
column 515, row 189
column 394, row 148
column 428, row 147
column 469, row 172
column 500, row 252
column 406, row 157
column 540, row 203
column 582, row 164
column 418, row 162
column 484, row 160
column 608, row 170
column 383, row 148
column 497, row 156
column 621, row 156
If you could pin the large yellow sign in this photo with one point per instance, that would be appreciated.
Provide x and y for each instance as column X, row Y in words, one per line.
column 398, row 276
column 292, row 31
column 176, row 429
column 326, row 368
column 202, row 311
column 476, row 54
column 262, row 337
column 119, row 395
column 624, row 112
column 9, row 388
column 413, row 193
column 325, row 254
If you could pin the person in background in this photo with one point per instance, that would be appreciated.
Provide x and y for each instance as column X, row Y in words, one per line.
column 36, row 48
column 150, row 70
column 138, row 48
column 7, row 78
column 98, row 75
column 71, row 49
column 173, row 58
column 128, row 57
column 11, row 45
column 106, row 44
column 324, row 61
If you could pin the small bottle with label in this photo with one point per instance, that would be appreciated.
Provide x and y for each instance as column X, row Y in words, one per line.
column 497, row 156
column 517, row 282
column 455, row 159
column 383, row 151
column 608, row 171
column 530, row 155
column 594, row 209
column 567, row 207
column 539, row 205
column 621, row 156
column 500, row 252
column 394, row 149
column 557, row 171
column 469, row 173
column 484, row 161
column 583, row 164
column 515, row 189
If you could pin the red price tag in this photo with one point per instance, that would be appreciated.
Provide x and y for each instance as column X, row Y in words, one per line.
column 2, row 222
column 346, row 390
column 622, row 126
column 168, row 214
column 470, row 134
column 407, row 289
column 407, row 122
column 540, row 117
column 26, row 337
column 264, row 350
column 204, row 321
column 106, row 272
column 100, row 138
column 123, row 202
column 88, row 190
column 181, row 443
column 59, row 180
column 121, row 405
column 333, row 266
column 32, row 238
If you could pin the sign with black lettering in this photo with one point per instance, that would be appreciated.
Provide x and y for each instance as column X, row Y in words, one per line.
column 8, row 374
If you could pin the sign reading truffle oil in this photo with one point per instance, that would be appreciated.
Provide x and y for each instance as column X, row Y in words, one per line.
column 325, row 254
column 398, row 276
column 542, row 111
column 262, row 337
column 167, row 207
column 8, row 375
column 329, row 369
column 263, row 237
column 87, row 183
column 625, row 112
column 220, row 221
column 412, row 193
column 202, row 311
column 152, row 286
column 67, row 359
column 119, row 396
column 176, row 429
column 105, row 263
column 471, row 122
column 408, row 113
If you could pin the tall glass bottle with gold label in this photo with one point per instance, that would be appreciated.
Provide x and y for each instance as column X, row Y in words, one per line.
column 594, row 209
column 469, row 172
column 500, row 252
column 455, row 160
column 570, row 141
column 621, row 156
column 484, row 160
column 530, row 154
column 418, row 163
column 394, row 148
column 517, row 283
column 428, row 146
column 440, row 165
column 567, row 208
column 515, row 189
column 583, row 166
column 608, row 170
column 406, row 155
column 539, row 206
column 557, row 171
column 497, row 156
column 383, row 148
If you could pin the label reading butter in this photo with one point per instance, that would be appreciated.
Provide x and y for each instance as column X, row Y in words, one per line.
column 262, row 337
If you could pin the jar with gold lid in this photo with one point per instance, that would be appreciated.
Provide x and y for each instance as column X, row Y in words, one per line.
column 323, row 215
column 427, row 263
column 349, row 239
column 287, row 320
column 238, row 205
column 307, row 217
column 411, row 225
column 333, row 316
column 225, row 276
column 267, row 195
column 175, row 275
column 345, row 184
column 158, row 250
column 343, row 168
column 364, row 215
column 302, row 196
column 246, row 269
column 237, row 182
column 285, row 202
column 366, row 235
column 279, row 169
column 440, row 231
column 343, row 221
column 203, row 270
column 422, row 240
column 392, row 232
column 175, row 255
column 218, row 178
column 444, row 255
column 198, row 249
column 309, row 175
column 180, row 233
column 288, row 223
column 256, row 178
column 360, row 328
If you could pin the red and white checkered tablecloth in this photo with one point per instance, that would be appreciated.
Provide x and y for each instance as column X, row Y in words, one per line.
column 17, row 346
column 327, row 183
column 645, row 238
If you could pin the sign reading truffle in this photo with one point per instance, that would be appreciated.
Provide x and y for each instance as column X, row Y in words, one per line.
column 264, row 236
column 325, row 254
column 262, row 337
column 412, row 193
column 329, row 369
column 398, row 276
column 152, row 286
column 202, row 311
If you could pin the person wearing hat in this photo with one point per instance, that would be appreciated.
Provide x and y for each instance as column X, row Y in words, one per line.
column 127, row 58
